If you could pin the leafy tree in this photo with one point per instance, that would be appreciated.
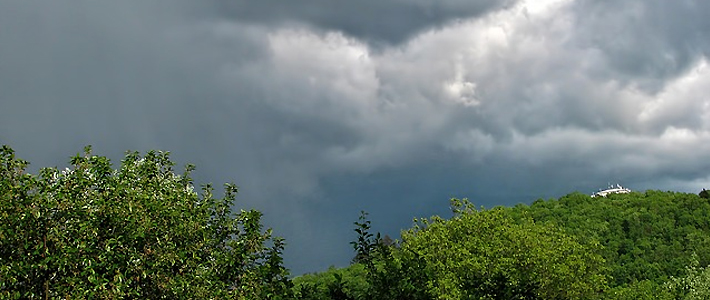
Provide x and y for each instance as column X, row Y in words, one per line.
column 392, row 273
column 487, row 254
column 139, row 231
column 646, row 237
column 625, row 246
column 344, row 283
column 695, row 285
column 641, row 290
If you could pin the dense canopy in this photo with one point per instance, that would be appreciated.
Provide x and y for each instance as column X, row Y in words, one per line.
column 139, row 231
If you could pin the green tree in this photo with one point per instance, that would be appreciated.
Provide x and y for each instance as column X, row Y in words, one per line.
column 695, row 285
column 392, row 273
column 486, row 254
column 646, row 237
column 641, row 290
column 139, row 231
column 344, row 283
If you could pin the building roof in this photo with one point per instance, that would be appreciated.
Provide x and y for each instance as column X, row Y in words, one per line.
column 612, row 189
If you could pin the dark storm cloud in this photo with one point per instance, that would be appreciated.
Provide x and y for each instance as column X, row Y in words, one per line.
column 320, row 109
column 142, row 76
column 644, row 42
column 388, row 22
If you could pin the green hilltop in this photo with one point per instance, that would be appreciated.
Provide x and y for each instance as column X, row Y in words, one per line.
column 640, row 245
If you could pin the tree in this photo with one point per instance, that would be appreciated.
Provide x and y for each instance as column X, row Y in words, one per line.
column 139, row 231
column 390, row 273
column 334, row 283
column 487, row 254
column 646, row 237
column 695, row 285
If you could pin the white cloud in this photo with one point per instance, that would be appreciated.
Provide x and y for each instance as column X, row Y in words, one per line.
column 683, row 102
column 514, row 81
column 334, row 70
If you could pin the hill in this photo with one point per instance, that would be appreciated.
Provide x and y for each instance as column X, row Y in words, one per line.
column 646, row 245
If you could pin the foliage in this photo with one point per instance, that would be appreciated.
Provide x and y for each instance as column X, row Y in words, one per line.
column 367, row 243
column 485, row 254
column 695, row 285
column 379, row 271
column 625, row 246
column 391, row 273
column 647, row 236
column 641, row 290
column 344, row 283
column 139, row 231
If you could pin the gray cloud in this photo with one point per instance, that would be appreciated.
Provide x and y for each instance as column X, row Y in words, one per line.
column 377, row 22
column 644, row 42
column 319, row 110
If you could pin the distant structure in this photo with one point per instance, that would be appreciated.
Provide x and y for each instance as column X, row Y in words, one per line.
column 612, row 189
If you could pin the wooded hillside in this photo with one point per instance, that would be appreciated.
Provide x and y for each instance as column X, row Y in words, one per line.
column 650, row 245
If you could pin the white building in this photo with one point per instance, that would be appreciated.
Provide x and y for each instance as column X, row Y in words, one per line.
column 612, row 189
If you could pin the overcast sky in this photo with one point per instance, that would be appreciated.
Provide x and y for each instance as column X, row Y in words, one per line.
column 318, row 109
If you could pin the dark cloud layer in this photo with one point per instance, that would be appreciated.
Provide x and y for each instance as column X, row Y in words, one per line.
column 377, row 22
column 646, row 42
column 320, row 109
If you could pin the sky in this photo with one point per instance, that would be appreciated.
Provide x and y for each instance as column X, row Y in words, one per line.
column 320, row 109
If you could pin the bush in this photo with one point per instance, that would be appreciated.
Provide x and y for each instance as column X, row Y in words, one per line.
column 139, row 231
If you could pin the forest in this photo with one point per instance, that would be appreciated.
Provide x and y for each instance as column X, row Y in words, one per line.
column 141, row 230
